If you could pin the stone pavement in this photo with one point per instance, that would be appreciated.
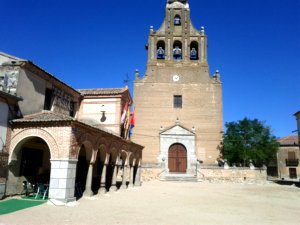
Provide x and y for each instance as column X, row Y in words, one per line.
column 158, row 202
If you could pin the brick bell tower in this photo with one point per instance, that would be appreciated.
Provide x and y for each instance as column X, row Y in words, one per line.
column 178, row 104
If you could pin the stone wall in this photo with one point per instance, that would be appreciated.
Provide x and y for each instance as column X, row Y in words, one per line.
column 238, row 175
column 149, row 174
column 216, row 174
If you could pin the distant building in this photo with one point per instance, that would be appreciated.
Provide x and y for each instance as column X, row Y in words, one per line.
column 59, row 137
column 288, row 158
column 178, row 103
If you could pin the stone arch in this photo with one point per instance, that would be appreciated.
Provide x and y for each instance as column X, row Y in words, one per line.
column 177, row 20
column 123, row 157
column 132, row 159
column 85, row 156
column 29, row 159
column 20, row 138
column 89, row 150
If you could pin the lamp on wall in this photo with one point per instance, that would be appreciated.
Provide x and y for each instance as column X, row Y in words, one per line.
column 103, row 117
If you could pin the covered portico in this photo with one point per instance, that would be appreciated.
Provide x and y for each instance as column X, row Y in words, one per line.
column 74, row 158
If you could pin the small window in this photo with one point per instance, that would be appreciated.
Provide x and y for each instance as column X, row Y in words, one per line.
column 291, row 155
column 48, row 99
column 72, row 109
column 177, row 101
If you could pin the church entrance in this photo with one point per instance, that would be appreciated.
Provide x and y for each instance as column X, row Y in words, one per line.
column 177, row 158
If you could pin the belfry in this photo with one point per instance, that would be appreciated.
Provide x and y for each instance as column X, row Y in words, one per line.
column 178, row 104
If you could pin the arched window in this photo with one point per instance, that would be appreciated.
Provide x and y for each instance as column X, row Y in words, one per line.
column 177, row 20
column 177, row 50
column 160, row 50
column 194, row 51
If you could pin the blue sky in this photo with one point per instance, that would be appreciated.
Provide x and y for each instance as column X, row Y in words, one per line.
column 254, row 43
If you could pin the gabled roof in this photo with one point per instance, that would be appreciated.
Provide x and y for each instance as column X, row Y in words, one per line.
column 102, row 91
column 177, row 130
column 11, row 57
column 290, row 140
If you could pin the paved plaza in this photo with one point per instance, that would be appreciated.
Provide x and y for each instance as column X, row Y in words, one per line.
column 160, row 203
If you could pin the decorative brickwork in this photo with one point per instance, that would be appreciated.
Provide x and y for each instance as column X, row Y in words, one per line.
column 18, row 135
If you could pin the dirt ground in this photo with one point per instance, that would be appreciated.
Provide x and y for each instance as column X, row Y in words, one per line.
column 158, row 202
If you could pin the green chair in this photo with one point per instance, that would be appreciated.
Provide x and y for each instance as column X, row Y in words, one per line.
column 42, row 190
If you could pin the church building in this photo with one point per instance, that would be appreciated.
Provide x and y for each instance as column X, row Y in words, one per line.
column 178, row 104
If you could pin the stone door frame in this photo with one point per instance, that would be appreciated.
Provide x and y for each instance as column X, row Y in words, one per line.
column 178, row 135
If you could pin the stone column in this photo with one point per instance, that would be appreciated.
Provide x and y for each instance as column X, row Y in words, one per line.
column 124, row 186
column 102, row 189
column 88, row 185
column 131, row 173
column 138, row 177
column 62, row 180
column 114, row 179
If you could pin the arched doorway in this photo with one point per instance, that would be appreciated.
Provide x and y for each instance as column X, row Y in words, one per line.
column 177, row 158
column 30, row 162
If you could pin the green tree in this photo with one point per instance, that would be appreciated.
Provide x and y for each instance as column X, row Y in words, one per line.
column 249, row 140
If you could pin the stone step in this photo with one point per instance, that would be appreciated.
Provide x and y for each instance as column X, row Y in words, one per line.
column 183, row 178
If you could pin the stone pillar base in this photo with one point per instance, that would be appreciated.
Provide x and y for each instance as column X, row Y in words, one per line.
column 62, row 180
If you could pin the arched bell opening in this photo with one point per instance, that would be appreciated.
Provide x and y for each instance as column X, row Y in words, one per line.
column 194, row 52
column 177, row 50
column 160, row 50
column 177, row 20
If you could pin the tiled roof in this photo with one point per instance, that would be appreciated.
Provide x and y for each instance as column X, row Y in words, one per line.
column 45, row 116
column 49, row 116
column 289, row 140
column 103, row 91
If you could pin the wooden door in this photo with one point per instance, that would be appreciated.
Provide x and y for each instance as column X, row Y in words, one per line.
column 177, row 159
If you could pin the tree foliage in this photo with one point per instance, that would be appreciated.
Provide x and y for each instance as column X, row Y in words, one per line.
column 247, row 140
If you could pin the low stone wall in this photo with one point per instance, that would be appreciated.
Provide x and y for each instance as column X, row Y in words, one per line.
column 216, row 174
column 236, row 175
column 149, row 174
